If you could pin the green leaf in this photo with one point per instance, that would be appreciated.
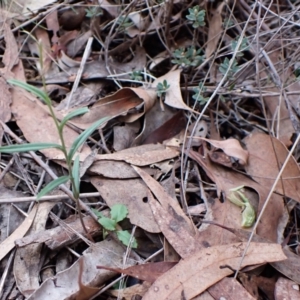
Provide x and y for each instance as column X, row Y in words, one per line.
column 118, row 212
column 76, row 176
column 32, row 89
column 124, row 236
column 28, row 147
column 73, row 114
column 52, row 185
column 84, row 135
column 108, row 223
column 97, row 213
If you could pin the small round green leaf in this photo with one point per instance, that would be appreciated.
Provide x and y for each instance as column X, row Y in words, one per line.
column 124, row 236
column 108, row 223
column 118, row 212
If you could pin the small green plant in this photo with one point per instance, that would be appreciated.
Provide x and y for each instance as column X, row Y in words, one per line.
column 198, row 94
column 225, row 65
column 93, row 11
column 187, row 57
column 197, row 16
column 238, row 198
column 136, row 75
column 243, row 47
column 162, row 88
column 124, row 22
column 228, row 23
column 118, row 213
column 73, row 166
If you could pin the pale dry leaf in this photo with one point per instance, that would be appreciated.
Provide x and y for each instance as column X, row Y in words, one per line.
column 231, row 147
column 193, row 275
column 263, row 164
column 116, row 169
column 174, row 228
column 141, row 155
column 5, row 101
column 173, row 96
column 229, row 288
column 9, row 243
column 215, row 30
column 286, row 289
column 27, row 259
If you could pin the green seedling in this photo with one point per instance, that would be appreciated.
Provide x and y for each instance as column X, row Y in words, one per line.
column 187, row 57
column 93, row 11
column 136, row 75
column 224, row 66
column 124, row 22
column 198, row 94
column 243, row 46
column 239, row 199
column 162, row 88
column 117, row 214
column 197, row 16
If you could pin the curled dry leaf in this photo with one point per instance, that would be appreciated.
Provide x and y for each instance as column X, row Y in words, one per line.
column 231, row 147
column 193, row 275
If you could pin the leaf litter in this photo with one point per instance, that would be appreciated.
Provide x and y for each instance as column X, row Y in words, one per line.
column 170, row 152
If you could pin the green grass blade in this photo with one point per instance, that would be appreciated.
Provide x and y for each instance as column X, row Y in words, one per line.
column 84, row 135
column 73, row 114
column 52, row 185
column 32, row 89
column 76, row 175
column 28, row 147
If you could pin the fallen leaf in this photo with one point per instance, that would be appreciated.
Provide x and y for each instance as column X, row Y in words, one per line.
column 286, row 289
column 166, row 201
column 9, row 243
column 231, row 147
column 229, row 288
column 105, row 253
column 263, row 165
column 215, row 30
column 193, row 275
column 141, row 155
column 174, row 228
column 173, row 96
column 148, row 272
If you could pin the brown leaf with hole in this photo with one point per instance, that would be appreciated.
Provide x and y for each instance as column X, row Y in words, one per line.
column 148, row 272
column 166, row 201
column 193, row 275
column 215, row 30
